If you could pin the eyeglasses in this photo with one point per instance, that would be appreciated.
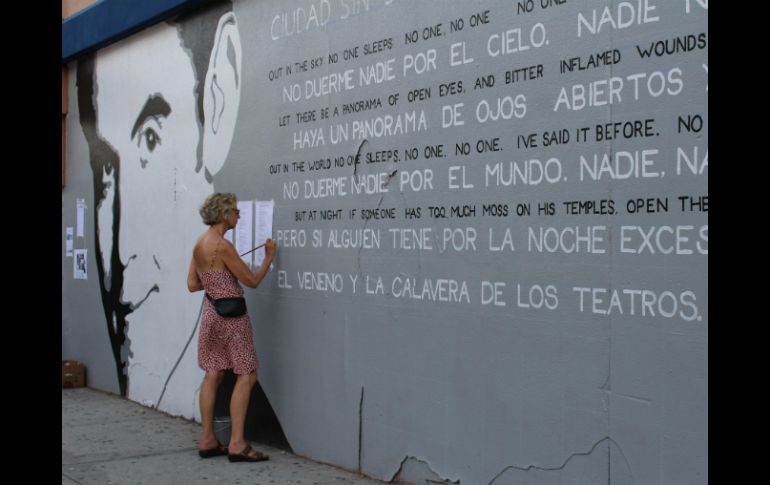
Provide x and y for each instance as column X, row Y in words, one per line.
column 237, row 211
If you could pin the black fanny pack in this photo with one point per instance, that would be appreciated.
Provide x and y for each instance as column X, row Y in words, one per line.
column 229, row 307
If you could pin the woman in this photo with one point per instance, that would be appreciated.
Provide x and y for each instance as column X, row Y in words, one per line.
column 224, row 342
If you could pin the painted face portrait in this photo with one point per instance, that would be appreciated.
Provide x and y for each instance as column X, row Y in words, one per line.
column 158, row 111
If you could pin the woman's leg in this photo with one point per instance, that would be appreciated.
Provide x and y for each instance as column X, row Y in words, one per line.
column 208, row 397
column 239, row 402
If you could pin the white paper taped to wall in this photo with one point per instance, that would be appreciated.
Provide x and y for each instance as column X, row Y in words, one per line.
column 70, row 236
column 81, row 210
column 80, row 261
column 263, row 226
column 244, row 234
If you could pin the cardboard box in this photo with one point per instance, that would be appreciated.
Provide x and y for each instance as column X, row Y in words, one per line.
column 73, row 373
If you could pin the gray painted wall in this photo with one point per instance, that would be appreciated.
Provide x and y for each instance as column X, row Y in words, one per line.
column 84, row 335
column 590, row 363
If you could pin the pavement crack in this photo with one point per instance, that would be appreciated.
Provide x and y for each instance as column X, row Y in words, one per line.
column 70, row 478
column 123, row 457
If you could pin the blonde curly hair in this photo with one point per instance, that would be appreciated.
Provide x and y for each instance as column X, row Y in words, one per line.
column 216, row 206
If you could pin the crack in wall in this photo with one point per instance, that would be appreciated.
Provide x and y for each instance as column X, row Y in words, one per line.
column 360, row 427
column 633, row 398
column 411, row 466
column 382, row 197
column 569, row 458
column 413, row 471
column 625, row 460
column 358, row 157
column 355, row 172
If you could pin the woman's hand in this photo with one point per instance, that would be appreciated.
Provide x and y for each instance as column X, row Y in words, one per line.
column 270, row 249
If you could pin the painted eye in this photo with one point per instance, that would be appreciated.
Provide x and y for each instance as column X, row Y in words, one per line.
column 148, row 134
column 148, row 139
column 151, row 139
column 146, row 130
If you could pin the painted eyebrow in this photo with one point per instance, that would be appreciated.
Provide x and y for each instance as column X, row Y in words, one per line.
column 154, row 106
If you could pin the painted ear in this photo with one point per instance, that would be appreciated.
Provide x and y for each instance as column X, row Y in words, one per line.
column 221, row 94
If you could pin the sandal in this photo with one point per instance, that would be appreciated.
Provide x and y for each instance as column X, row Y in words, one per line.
column 218, row 450
column 246, row 456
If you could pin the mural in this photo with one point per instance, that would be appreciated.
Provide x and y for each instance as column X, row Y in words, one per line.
column 158, row 112
column 492, row 220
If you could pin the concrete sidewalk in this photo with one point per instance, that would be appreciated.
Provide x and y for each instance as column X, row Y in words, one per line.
column 110, row 440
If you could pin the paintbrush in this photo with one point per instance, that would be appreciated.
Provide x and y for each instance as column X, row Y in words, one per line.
column 251, row 250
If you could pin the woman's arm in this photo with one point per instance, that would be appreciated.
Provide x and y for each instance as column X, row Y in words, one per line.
column 241, row 270
column 193, row 281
